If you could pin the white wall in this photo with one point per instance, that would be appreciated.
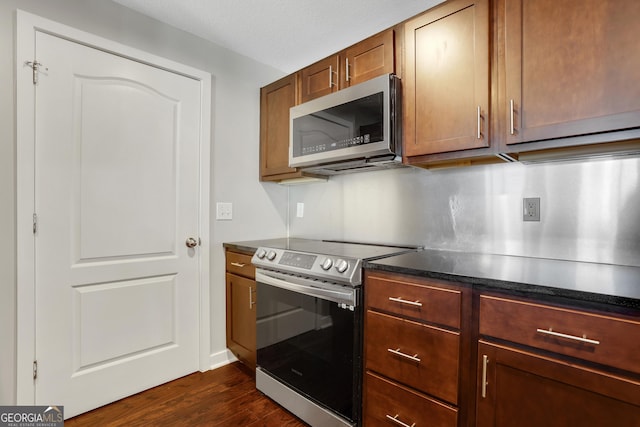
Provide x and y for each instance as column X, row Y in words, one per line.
column 235, row 134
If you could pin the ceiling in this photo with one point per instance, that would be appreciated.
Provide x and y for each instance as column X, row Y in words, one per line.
column 285, row 34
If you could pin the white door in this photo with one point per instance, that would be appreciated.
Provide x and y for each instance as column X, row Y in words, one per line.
column 116, row 197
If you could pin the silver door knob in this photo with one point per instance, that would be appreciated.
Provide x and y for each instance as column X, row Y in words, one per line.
column 191, row 242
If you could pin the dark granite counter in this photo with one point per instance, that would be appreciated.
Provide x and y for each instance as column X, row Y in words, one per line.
column 544, row 278
column 569, row 281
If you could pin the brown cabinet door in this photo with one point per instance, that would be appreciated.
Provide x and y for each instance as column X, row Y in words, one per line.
column 526, row 390
column 275, row 101
column 370, row 58
column 572, row 68
column 446, row 84
column 241, row 318
column 320, row 79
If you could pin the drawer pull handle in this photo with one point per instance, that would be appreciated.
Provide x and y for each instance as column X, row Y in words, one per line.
column 400, row 423
column 416, row 303
column 569, row 337
column 397, row 352
column 238, row 264
column 485, row 362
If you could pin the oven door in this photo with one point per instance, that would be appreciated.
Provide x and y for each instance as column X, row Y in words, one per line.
column 309, row 340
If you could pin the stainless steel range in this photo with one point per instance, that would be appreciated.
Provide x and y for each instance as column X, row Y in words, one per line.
column 309, row 327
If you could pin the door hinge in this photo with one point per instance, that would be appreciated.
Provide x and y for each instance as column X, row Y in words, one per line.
column 35, row 223
column 36, row 67
column 35, row 369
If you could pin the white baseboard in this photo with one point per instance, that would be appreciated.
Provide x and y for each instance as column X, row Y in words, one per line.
column 221, row 358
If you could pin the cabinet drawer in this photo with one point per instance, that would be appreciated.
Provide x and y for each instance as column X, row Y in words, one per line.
column 416, row 300
column 240, row 264
column 597, row 338
column 385, row 399
column 418, row 355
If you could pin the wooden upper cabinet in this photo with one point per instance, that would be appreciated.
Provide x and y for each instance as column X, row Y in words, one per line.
column 447, row 79
column 275, row 101
column 363, row 61
column 320, row 79
column 366, row 60
column 370, row 58
column 572, row 68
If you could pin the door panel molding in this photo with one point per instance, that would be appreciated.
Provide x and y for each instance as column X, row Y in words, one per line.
column 26, row 28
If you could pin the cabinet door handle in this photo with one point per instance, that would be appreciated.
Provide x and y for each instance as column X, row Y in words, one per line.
column 238, row 264
column 331, row 72
column 416, row 303
column 251, row 300
column 479, row 124
column 513, row 130
column 397, row 421
column 397, row 352
column 485, row 362
column 346, row 68
column 569, row 337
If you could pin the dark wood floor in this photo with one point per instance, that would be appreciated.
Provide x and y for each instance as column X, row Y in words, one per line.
column 222, row 397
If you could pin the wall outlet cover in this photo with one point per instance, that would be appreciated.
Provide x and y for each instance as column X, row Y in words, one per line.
column 531, row 209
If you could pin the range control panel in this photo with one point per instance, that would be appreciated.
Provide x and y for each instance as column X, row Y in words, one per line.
column 318, row 266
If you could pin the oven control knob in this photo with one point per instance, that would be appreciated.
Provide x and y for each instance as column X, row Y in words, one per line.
column 327, row 264
column 261, row 253
column 342, row 265
column 271, row 255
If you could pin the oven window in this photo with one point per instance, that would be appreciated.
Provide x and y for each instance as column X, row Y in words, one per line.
column 311, row 345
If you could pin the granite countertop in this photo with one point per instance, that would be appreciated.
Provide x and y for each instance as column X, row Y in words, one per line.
column 568, row 280
column 580, row 282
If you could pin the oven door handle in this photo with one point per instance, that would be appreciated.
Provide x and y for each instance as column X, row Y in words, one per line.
column 331, row 292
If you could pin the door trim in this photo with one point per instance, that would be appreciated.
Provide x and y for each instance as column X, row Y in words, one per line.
column 26, row 27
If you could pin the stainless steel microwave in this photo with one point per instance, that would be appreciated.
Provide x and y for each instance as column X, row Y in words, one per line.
column 351, row 130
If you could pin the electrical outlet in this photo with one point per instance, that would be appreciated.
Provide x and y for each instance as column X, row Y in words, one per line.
column 531, row 209
column 224, row 211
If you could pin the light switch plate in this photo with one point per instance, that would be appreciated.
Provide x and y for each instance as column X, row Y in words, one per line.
column 224, row 211
column 300, row 210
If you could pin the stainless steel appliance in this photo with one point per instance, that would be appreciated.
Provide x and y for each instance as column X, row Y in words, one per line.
column 309, row 327
column 351, row 130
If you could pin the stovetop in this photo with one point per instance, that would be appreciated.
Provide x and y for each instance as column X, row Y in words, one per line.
column 363, row 251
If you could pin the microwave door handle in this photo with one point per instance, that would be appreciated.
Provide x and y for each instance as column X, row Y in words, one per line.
column 342, row 297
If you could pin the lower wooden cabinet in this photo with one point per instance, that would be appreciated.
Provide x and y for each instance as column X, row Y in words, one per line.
column 416, row 352
column 524, row 389
column 439, row 353
column 542, row 364
column 241, row 308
